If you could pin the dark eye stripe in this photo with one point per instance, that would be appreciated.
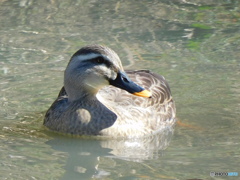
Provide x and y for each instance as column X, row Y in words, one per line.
column 98, row 60
column 102, row 60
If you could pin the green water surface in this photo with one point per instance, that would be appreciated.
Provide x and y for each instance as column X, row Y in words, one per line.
column 194, row 44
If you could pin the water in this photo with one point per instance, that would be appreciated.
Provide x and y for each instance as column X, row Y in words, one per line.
column 194, row 44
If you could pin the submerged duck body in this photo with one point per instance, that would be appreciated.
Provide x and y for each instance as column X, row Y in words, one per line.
column 99, row 98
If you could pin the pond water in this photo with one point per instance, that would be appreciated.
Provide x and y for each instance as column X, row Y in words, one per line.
column 194, row 44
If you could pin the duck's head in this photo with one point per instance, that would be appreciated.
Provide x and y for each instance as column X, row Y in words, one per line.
column 93, row 67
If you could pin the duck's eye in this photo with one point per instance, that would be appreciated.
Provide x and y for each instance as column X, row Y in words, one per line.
column 99, row 60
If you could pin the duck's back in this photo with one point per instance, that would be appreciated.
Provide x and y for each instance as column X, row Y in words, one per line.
column 138, row 115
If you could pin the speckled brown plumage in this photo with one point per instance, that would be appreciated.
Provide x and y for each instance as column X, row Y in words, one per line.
column 110, row 111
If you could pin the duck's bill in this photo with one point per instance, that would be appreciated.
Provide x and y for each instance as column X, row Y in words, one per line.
column 144, row 93
column 124, row 82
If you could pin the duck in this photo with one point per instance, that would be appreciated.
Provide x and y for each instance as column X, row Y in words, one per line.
column 99, row 98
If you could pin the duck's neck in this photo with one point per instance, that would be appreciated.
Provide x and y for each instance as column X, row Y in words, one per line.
column 78, row 94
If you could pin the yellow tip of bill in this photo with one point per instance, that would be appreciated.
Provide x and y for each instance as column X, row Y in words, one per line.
column 144, row 93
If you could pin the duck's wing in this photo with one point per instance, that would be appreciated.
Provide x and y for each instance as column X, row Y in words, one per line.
column 153, row 82
column 160, row 106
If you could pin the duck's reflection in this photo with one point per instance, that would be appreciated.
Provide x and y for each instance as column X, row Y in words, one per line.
column 85, row 154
